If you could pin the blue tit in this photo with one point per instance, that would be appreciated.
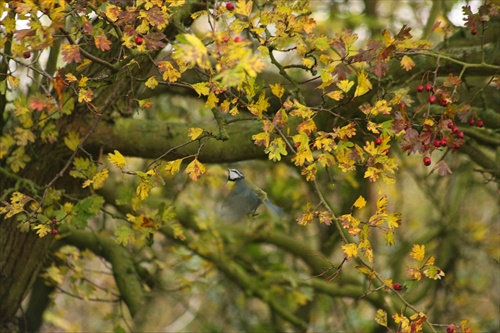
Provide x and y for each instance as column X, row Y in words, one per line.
column 244, row 198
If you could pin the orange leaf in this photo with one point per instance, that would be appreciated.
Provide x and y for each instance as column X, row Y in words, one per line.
column 71, row 53
column 195, row 170
column 102, row 43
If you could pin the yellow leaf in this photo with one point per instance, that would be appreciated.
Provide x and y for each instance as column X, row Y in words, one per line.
column 71, row 78
column 388, row 39
column 151, row 83
column 276, row 149
column 429, row 122
column 173, row 167
column 72, row 140
column 418, row 252
column 309, row 63
column 243, row 7
column 195, row 170
column 201, row 88
column 13, row 81
column 366, row 271
column 170, row 74
column 261, row 139
column 336, row 95
column 54, row 274
column 83, row 64
column 360, row 202
column 112, row 12
column 350, row 250
column 277, row 90
column 381, row 317
column 407, row 63
column 364, row 85
column 211, row 100
column 259, row 107
column 97, row 181
column 85, row 95
column 42, row 230
column 143, row 189
column 345, row 85
column 195, row 132
column 117, row 159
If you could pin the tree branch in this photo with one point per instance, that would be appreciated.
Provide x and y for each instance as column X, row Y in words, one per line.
column 124, row 272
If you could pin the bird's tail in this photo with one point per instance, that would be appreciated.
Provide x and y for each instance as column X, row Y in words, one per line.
column 275, row 209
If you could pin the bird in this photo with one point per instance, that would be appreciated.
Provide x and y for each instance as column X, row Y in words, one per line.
column 244, row 198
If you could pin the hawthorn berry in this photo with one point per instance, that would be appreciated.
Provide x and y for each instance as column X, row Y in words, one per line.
column 378, row 141
column 472, row 121
column 432, row 99
column 437, row 143
column 230, row 6
column 238, row 39
column 139, row 40
column 54, row 221
column 454, row 129
column 54, row 232
column 427, row 161
column 479, row 123
column 460, row 135
column 420, row 88
column 443, row 102
column 397, row 286
column 26, row 54
column 473, row 31
column 428, row 87
column 450, row 125
column 450, row 328
column 386, row 151
column 443, row 142
column 456, row 146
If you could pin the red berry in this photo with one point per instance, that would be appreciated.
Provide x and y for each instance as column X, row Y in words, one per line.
column 450, row 328
column 443, row 142
column 460, row 135
column 378, row 141
column 443, row 102
column 472, row 121
column 456, row 146
column 479, row 123
column 473, row 32
column 454, row 129
column 432, row 99
column 54, row 232
column 450, row 125
column 386, row 151
column 238, row 39
column 139, row 40
column 230, row 6
column 428, row 87
column 427, row 161
column 26, row 54
column 54, row 221
column 420, row 88
column 437, row 143
column 397, row 286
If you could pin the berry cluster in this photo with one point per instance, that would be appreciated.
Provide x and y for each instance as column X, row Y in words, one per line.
column 448, row 134
column 54, row 227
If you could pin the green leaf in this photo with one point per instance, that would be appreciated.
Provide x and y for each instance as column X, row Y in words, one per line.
column 87, row 209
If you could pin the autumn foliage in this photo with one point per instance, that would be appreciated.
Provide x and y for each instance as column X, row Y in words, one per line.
column 320, row 103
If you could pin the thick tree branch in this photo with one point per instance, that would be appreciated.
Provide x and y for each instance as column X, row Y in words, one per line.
column 150, row 139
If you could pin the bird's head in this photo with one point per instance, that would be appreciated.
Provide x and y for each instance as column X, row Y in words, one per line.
column 234, row 175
